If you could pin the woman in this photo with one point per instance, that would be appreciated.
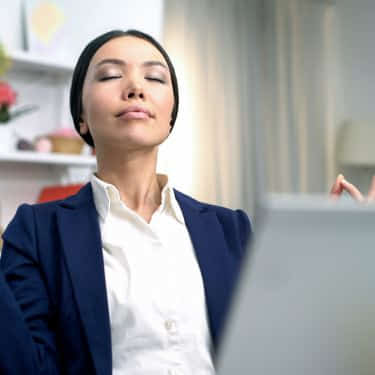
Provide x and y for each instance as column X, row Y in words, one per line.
column 129, row 276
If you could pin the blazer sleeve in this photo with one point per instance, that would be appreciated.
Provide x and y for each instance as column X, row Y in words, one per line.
column 237, row 229
column 17, row 354
column 245, row 229
column 20, row 265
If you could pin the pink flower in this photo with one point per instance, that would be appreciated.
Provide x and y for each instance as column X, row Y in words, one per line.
column 7, row 95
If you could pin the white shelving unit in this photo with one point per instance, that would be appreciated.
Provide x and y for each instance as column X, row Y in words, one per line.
column 66, row 160
column 45, row 82
column 33, row 63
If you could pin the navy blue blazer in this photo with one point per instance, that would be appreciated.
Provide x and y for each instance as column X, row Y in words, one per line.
column 56, row 316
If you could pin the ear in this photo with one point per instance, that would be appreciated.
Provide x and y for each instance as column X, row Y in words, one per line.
column 83, row 127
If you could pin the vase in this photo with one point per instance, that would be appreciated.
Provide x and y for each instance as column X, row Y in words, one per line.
column 7, row 138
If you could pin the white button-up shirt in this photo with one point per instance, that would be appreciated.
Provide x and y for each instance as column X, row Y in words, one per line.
column 154, row 286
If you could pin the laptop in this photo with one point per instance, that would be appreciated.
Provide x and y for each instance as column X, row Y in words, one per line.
column 305, row 301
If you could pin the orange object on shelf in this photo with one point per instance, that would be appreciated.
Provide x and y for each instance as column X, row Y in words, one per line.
column 52, row 193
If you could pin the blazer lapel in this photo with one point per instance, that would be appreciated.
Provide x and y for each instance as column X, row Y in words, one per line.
column 80, row 235
column 217, row 266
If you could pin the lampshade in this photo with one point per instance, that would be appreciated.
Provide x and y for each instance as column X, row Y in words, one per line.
column 356, row 144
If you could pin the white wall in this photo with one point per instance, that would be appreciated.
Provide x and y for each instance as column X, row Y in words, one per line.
column 356, row 60
column 356, row 71
column 85, row 19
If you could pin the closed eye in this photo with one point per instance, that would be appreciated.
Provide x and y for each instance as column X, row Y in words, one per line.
column 108, row 78
column 155, row 79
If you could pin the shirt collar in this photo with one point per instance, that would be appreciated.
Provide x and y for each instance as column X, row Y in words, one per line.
column 168, row 198
column 105, row 193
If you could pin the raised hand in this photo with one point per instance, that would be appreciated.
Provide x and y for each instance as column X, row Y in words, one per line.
column 342, row 185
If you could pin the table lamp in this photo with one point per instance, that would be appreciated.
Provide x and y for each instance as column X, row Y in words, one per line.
column 356, row 144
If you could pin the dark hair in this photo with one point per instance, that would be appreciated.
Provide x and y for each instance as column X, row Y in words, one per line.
column 82, row 65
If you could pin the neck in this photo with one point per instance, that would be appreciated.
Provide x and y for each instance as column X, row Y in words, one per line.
column 134, row 175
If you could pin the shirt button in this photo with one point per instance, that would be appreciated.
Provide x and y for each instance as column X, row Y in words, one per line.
column 170, row 326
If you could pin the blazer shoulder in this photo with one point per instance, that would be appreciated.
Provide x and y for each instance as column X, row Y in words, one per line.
column 235, row 223
column 220, row 210
column 21, row 232
column 26, row 213
column 31, row 219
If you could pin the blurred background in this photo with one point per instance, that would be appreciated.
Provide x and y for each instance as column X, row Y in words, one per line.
column 276, row 95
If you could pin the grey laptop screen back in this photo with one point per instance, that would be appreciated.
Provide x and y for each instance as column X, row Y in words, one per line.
column 305, row 302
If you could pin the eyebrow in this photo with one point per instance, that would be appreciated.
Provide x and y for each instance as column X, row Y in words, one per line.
column 123, row 63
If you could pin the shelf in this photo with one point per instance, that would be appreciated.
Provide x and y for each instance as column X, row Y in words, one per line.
column 68, row 160
column 33, row 62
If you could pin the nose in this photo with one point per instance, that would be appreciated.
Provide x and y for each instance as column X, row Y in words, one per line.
column 133, row 89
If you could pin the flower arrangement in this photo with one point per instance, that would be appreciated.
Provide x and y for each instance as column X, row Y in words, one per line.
column 7, row 99
column 8, row 96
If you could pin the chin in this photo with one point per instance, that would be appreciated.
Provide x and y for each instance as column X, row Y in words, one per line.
column 134, row 135
column 132, row 142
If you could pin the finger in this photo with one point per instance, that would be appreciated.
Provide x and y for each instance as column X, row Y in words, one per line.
column 371, row 192
column 337, row 188
column 337, row 194
column 352, row 190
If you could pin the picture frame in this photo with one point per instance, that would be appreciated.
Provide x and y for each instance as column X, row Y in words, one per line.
column 45, row 24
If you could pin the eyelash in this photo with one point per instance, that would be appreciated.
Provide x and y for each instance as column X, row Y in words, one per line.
column 155, row 79
column 103, row 79
column 108, row 78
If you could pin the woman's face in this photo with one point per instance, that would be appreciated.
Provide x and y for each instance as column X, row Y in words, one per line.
column 127, row 95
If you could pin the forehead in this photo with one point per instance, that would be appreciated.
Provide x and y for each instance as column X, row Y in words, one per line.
column 128, row 48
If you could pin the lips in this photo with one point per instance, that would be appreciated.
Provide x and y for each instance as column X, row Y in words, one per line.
column 136, row 112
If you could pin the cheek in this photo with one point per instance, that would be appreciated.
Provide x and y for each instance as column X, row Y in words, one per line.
column 95, row 106
column 165, row 103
